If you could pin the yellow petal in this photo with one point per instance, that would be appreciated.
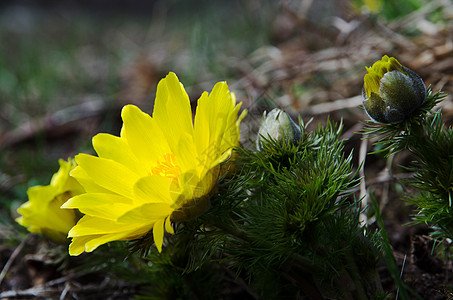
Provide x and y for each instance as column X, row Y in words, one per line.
column 41, row 195
column 61, row 180
column 102, row 205
column 216, row 125
column 143, row 135
column 168, row 226
column 77, row 246
column 211, row 118
column 42, row 213
column 184, row 153
column 108, row 173
column 146, row 213
column 88, row 225
column 189, row 184
column 61, row 175
column 88, row 184
column 158, row 234
column 231, row 137
column 94, row 199
column 47, row 216
column 89, row 243
column 202, row 130
column 153, row 188
column 172, row 110
column 115, row 148
column 92, row 244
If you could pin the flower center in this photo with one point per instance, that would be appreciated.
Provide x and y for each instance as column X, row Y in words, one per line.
column 167, row 167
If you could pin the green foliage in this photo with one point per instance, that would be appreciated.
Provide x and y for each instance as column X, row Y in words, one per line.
column 166, row 277
column 389, row 9
column 433, row 170
column 287, row 223
column 394, row 9
column 431, row 143
column 390, row 261
column 294, row 186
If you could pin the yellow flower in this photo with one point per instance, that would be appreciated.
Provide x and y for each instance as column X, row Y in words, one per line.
column 391, row 92
column 373, row 6
column 368, row 6
column 42, row 213
column 159, row 169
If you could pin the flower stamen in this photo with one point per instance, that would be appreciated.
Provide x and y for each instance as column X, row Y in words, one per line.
column 167, row 168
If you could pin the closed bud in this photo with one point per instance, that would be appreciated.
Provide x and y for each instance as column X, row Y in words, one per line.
column 279, row 126
column 391, row 91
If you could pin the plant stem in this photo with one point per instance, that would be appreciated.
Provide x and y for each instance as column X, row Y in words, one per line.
column 354, row 272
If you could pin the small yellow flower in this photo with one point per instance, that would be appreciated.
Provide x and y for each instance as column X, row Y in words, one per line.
column 391, row 92
column 373, row 6
column 368, row 6
column 160, row 169
column 42, row 213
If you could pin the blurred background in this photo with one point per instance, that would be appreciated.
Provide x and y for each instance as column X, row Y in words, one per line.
column 68, row 67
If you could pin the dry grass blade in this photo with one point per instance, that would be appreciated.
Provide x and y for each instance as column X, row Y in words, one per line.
column 12, row 258
column 62, row 121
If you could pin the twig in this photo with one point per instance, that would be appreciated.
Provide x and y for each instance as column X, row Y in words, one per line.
column 59, row 119
column 65, row 291
column 12, row 258
column 386, row 177
column 63, row 279
column 241, row 283
column 385, row 192
column 60, row 292
column 331, row 106
column 363, row 192
column 39, row 291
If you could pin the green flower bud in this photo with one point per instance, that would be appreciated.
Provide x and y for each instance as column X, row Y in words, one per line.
column 277, row 125
column 391, row 92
